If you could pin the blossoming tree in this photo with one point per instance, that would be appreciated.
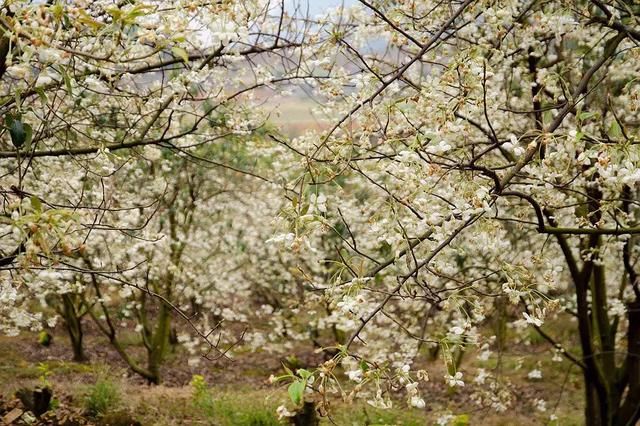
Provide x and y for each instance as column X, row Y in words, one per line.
column 491, row 148
column 101, row 101
column 478, row 158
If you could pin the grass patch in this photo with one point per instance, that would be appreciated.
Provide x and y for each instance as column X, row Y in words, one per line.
column 363, row 414
column 101, row 398
column 235, row 411
column 230, row 410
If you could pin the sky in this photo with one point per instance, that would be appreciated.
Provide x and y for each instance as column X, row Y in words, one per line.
column 318, row 6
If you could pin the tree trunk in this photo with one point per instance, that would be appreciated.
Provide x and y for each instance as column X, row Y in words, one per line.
column 613, row 398
column 77, row 346
column 73, row 324
column 308, row 416
column 592, row 409
column 629, row 411
column 159, row 343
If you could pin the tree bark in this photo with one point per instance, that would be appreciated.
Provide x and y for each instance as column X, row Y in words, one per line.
column 73, row 324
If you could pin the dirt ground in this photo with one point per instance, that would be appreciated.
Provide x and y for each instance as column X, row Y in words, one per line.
column 241, row 386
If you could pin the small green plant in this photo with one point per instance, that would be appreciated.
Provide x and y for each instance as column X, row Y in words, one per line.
column 44, row 338
column 461, row 420
column 101, row 397
column 43, row 375
column 54, row 404
column 202, row 398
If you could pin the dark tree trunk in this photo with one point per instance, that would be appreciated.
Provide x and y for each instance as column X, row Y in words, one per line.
column 73, row 325
column 629, row 411
column 308, row 416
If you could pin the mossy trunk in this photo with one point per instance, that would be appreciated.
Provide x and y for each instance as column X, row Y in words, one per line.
column 500, row 323
column 159, row 343
column 73, row 325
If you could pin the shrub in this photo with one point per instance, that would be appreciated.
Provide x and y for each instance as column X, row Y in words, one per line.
column 102, row 397
column 45, row 338
column 202, row 398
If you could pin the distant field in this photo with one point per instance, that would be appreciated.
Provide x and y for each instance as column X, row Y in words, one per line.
column 295, row 115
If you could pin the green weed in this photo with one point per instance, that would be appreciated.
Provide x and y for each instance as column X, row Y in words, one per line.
column 102, row 397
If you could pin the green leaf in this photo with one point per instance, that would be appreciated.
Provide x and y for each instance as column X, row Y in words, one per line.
column 615, row 131
column 305, row 374
column 180, row 53
column 8, row 119
column 67, row 81
column 41, row 93
column 586, row 115
column 115, row 13
column 287, row 370
column 86, row 19
column 18, row 130
column 36, row 204
column 57, row 11
column 296, row 390
column 136, row 12
column 29, row 135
